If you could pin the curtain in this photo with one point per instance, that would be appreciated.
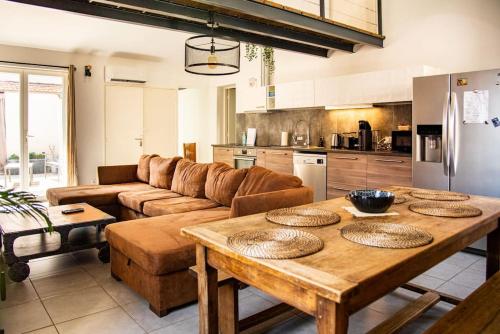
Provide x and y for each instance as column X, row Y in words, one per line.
column 71, row 129
column 3, row 132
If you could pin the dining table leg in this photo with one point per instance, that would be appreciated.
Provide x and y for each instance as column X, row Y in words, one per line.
column 331, row 317
column 228, row 308
column 493, row 252
column 207, row 293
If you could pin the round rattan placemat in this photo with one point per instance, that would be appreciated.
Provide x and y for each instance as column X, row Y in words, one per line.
column 275, row 243
column 400, row 199
column 437, row 195
column 386, row 235
column 445, row 209
column 305, row 217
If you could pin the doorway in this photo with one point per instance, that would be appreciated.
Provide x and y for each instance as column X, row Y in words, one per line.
column 227, row 114
column 32, row 129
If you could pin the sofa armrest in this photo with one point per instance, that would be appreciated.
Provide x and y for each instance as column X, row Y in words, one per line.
column 117, row 174
column 252, row 204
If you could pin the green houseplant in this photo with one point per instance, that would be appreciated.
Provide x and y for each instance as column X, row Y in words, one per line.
column 23, row 204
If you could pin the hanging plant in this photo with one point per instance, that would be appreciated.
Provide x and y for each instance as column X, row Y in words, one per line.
column 267, row 54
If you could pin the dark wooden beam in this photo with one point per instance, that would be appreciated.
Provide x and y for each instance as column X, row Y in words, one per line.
column 174, row 23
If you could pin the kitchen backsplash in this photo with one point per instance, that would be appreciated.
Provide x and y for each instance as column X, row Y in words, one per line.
column 321, row 122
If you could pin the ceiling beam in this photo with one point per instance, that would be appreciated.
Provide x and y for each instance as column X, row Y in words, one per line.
column 276, row 14
column 224, row 20
column 173, row 23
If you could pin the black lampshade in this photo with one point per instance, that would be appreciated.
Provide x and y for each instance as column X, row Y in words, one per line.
column 212, row 55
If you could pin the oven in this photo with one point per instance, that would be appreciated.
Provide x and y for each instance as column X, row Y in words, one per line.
column 244, row 157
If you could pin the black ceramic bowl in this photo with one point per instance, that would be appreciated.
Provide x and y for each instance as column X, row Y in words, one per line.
column 371, row 201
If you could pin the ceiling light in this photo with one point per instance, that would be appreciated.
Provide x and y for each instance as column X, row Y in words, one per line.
column 211, row 54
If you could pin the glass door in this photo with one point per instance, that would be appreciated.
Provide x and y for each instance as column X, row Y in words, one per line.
column 32, row 144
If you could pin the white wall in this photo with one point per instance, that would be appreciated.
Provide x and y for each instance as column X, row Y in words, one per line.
column 90, row 93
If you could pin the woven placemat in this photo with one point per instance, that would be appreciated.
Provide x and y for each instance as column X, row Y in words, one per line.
column 445, row 209
column 276, row 243
column 386, row 235
column 400, row 199
column 438, row 195
column 306, row 217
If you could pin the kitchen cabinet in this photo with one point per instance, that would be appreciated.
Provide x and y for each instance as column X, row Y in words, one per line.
column 349, row 171
column 385, row 171
column 279, row 161
column 250, row 98
column 345, row 172
column 223, row 154
column 298, row 94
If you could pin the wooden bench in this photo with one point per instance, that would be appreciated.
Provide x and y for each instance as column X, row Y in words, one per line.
column 478, row 313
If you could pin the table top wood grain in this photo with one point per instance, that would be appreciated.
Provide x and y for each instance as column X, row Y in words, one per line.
column 346, row 271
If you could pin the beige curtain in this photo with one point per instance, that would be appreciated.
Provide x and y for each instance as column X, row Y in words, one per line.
column 71, row 129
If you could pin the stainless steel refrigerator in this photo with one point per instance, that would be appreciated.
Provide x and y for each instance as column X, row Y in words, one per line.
column 456, row 133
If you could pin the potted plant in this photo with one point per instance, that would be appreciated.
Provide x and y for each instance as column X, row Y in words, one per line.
column 23, row 204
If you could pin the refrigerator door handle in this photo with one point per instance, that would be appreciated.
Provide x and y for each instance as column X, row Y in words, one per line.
column 454, row 125
column 446, row 108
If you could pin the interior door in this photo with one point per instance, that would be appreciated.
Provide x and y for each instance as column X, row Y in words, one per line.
column 477, row 163
column 124, row 124
column 160, row 121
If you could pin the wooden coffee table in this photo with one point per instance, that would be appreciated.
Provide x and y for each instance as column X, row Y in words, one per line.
column 25, row 239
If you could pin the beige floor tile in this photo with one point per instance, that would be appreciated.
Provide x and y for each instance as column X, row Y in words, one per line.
column 63, row 283
column 46, row 330
column 427, row 281
column 99, row 271
column 24, row 318
column 19, row 293
column 78, row 304
column 120, row 292
column 457, row 290
column 150, row 321
column 111, row 321
column 51, row 265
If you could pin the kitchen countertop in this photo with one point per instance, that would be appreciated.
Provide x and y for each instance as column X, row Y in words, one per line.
column 316, row 149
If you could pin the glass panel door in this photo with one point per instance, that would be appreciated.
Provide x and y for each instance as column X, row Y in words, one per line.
column 45, row 133
column 10, row 129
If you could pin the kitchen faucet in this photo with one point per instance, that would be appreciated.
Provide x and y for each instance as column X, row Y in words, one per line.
column 295, row 135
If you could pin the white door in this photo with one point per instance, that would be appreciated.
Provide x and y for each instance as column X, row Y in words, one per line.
column 124, row 124
column 160, row 121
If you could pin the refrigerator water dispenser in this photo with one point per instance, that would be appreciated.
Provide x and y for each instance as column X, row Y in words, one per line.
column 429, row 143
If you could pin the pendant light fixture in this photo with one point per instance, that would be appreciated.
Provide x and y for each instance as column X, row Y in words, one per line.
column 211, row 54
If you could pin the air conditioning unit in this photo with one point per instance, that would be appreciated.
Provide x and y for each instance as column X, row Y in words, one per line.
column 124, row 74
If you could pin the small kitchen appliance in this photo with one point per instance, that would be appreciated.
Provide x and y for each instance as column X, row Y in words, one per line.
column 365, row 136
column 401, row 141
column 337, row 140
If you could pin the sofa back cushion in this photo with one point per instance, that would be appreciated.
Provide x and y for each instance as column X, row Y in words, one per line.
column 262, row 180
column 222, row 182
column 161, row 171
column 143, row 167
column 189, row 178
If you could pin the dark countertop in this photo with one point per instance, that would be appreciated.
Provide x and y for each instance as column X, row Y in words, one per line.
column 316, row 149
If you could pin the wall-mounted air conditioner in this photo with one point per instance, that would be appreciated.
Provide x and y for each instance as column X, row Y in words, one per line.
column 124, row 74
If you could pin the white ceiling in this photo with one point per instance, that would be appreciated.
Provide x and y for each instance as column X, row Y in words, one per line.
column 37, row 27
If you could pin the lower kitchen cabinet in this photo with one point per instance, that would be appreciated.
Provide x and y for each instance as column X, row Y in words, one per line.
column 280, row 161
column 385, row 171
column 224, row 154
column 345, row 172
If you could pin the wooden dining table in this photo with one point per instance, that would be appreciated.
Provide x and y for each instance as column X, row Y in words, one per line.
column 344, row 276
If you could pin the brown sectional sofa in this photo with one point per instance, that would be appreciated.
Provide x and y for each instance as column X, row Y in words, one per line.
column 156, row 198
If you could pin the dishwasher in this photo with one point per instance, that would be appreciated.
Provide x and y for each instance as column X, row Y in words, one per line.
column 311, row 168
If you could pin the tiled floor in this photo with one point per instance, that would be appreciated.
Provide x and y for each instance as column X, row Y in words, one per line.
column 74, row 293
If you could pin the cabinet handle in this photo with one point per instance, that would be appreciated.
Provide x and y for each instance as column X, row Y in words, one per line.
column 390, row 160
column 346, row 158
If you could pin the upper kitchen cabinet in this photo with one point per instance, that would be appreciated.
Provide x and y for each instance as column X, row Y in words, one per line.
column 250, row 98
column 370, row 87
column 299, row 94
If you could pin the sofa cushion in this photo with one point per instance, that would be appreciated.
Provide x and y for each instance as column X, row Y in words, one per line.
column 189, row 178
column 155, row 243
column 161, row 171
column 135, row 199
column 143, row 167
column 262, row 180
column 177, row 205
column 222, row 182
column 95, row 195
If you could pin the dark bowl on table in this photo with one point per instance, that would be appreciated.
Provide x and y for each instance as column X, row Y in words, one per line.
column 371, row 201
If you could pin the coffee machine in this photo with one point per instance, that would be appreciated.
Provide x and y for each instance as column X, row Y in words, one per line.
column 365, row 136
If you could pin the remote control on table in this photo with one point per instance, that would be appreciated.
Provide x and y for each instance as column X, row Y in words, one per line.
column 70, row 211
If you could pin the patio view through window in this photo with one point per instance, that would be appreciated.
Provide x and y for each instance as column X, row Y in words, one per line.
column 32, row 130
